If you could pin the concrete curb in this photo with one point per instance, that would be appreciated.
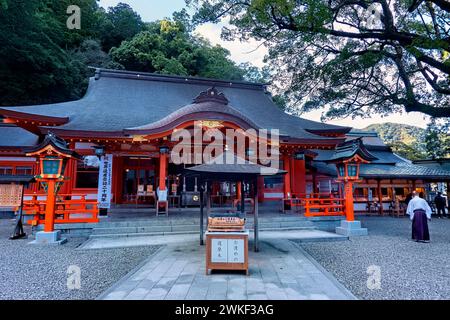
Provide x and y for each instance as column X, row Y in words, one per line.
column 330, row 277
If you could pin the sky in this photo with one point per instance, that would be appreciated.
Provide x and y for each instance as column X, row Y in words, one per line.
column 251, row 52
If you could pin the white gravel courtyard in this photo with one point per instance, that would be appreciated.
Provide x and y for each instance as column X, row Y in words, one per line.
column 409, row 270
column 40, row 273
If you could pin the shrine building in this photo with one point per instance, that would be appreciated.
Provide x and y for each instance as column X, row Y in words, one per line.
column 131, row 116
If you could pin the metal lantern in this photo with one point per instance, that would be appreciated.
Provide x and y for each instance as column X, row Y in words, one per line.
column 340, row 170
column 348, row 170
column 99, row 151
column 52, row 167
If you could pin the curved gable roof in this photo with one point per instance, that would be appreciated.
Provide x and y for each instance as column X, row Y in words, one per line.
column 118, row 100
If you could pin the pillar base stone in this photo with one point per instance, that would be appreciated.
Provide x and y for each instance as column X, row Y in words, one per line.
column 48, row 238
column 351, row 229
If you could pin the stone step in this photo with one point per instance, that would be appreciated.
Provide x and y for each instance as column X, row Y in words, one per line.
column 169, row 222
column 149, row 234
column 149, row 228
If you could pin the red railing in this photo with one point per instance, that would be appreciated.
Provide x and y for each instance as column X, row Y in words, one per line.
column 321, row 207
column 67, row 210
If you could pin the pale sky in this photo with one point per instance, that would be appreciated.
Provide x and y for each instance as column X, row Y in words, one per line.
column 251, row 52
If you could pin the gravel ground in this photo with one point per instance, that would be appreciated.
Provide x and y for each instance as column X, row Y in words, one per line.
column 39, row 272
column 409, row 270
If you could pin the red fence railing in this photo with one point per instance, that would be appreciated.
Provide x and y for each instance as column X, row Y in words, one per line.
column 320, row 207
column 67, row 210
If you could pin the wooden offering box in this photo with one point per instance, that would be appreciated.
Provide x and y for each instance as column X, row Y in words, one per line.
column 227, row 251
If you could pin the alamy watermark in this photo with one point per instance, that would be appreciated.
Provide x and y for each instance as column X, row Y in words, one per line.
column 374, row 279
column 73, row 277
column 74, row 20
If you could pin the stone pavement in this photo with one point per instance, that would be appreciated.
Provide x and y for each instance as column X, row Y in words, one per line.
column 280, row 271
column 135, row 241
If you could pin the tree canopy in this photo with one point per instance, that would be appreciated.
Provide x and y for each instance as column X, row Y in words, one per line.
column 355, row 57
column 167, row 47
column 43, row 61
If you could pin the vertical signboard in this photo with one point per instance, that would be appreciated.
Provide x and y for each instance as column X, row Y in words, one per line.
column 236, row 251
column 219, row 251
column 105, row 182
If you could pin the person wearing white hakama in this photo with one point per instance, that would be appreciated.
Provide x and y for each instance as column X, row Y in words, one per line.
column 419, row 212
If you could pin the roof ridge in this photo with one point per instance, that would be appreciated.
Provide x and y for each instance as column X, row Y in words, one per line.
column 149, row 76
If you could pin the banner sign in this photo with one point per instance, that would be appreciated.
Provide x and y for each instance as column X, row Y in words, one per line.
column 105, row 182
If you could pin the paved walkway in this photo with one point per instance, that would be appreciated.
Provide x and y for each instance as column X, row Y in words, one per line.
column 281, row 271
column 136, row 241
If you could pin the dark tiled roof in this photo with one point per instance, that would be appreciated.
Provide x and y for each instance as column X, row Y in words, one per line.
column 229, row 163
column 57, row 143
column 121, row 100
column 386, row 171
column 403, row 169
column 442, row 164
column 13, row 136
column 350, row 149
column 192, row 109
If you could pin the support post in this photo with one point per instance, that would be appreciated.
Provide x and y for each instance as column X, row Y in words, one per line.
column 287, row 176
column 255, row 219
column 18, row 230
column 242, row 199
column 50, row 207
column 350, row 227
column 208, row 201
column 162, row 184
column 202, row 190
column 380, row 197
column 448, row 195
column 162, row 171
column 349, row 205
column 238, row 190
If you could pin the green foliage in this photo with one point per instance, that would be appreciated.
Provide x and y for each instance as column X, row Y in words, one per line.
column 437, row 140
column 168, row 48
column 42, row 61
column 415, row 143
column 118, row 24
column 327, row 54
column 36, row 66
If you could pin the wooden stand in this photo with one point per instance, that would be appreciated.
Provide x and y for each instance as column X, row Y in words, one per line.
column 227, row 251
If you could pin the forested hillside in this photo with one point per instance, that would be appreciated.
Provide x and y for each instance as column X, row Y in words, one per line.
column 412, row 142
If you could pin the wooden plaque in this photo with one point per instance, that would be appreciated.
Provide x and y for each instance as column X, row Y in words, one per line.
column 10, row 195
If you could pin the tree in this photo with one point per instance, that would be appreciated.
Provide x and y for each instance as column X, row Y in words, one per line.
column 119, row 23
column 437, row 140
column 168, row 47
column 34, row 67
column 356, row 57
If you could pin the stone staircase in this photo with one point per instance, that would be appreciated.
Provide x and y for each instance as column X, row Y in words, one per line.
column 164, row 226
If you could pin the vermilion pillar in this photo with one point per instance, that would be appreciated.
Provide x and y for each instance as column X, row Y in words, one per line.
column 287, row 176
column 162, row 171
column 260, row 187
column 349, row 207
column 299, row 177
column 380, row 196
column 238, row 190
column 50, row 207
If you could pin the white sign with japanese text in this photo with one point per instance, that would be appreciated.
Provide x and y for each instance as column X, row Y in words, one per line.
column 227, row 251
column 105, row 182
column 219, row 251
